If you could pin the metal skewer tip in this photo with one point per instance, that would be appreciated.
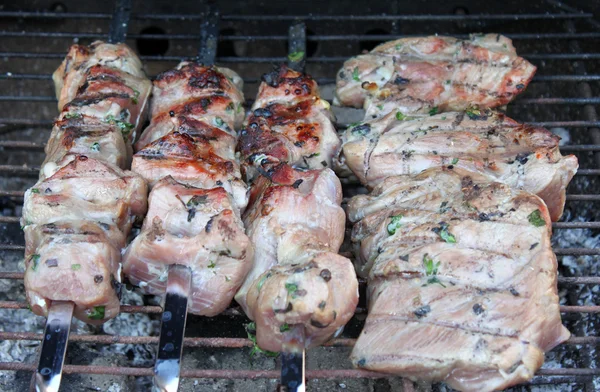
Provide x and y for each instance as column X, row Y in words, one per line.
column 293, row 360
column 54, row 346
column 172, row 329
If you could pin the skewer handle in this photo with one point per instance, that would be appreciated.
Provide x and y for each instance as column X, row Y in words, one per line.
column 54, row 346
column 293, row 360
column 172, row 329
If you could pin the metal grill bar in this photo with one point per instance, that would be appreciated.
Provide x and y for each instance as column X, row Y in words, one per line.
column 120, row 22
column 211, row 342
column 323, row 59
column 256, row 374
column 454, row 17
column 238, row 311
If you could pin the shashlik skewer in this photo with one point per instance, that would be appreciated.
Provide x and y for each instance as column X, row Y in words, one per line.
column 192, row 246
column 77, row 217
column 462, row 278
column 298, row 285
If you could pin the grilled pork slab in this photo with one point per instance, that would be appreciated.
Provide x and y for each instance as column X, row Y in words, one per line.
column 187, row 155
column 289, row 124
column 76, row 222
column 296, row 224
column 423, row 74
column 103, row 94
column 199, row 228
column 482, row 141
column 462, row 280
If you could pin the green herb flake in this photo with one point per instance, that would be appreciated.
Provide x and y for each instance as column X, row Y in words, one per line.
column 251, row 332
column 454, row 161
column 535, row 218
column 229, row 107
column 433, row 111
column 124, row 126
column 95, row 147
column 73, row 115
column 219, row 121
column 355, row 75
column 394, row 224
column 284, row 327
column 296, row 56
column 212, row 264
column 35, row 190
column 431, row 270
column 444, row 207
column 398, row 46
column 443, row 117
column 136, row 95
column 380, row 107
column 196, row 200
column 75, row 267
column 262, row 281
column 34, row 260
column 400, row 116
column 291, row 288
column 448, row 237
column 448, row 82
column 97, row 313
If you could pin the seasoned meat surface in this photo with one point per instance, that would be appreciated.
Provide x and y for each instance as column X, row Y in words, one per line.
column 462, row 280
column 199, row 228
column 103, row 94
column 482, row 141
column 77, row 217
column 296, row 224
column 423, row 74
column 76, row 222
column 289, row 124
column 187, row 155
column 294, row 218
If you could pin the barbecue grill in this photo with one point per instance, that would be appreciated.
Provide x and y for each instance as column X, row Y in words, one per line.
column 561, row 40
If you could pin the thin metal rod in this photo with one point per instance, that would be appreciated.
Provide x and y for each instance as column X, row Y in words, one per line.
column 451, row 17
column 258, row 374
column 54, row 346
column 209, row 36
column 293, row 360
column 172, row 329
column 297, row 46
column 120, row 21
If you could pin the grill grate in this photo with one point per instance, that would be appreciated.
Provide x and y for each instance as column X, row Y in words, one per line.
column 564, row 94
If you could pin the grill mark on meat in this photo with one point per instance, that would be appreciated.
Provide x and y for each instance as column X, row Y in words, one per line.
column 386, row 318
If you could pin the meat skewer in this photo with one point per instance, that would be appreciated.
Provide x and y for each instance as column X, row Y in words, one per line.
column 192, row 246
column 77, row 217
column 299, row 292
column 454, row 238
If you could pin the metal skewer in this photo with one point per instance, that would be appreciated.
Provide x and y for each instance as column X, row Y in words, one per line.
column 292, row 360
column 172, row 329
column 293, row 352
column 54, row 346
column 58, row 324
column 167, row 368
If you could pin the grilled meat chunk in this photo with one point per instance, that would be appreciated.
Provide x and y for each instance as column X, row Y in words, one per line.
column 76, row 222
column 296, row 224
column 103, row 94
column 187, row 155
column 212, row 95
column 196, row 154
column 462, row 280
column 423, row 74
column 483, row 141
column 289, row 124
column 199, row 228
